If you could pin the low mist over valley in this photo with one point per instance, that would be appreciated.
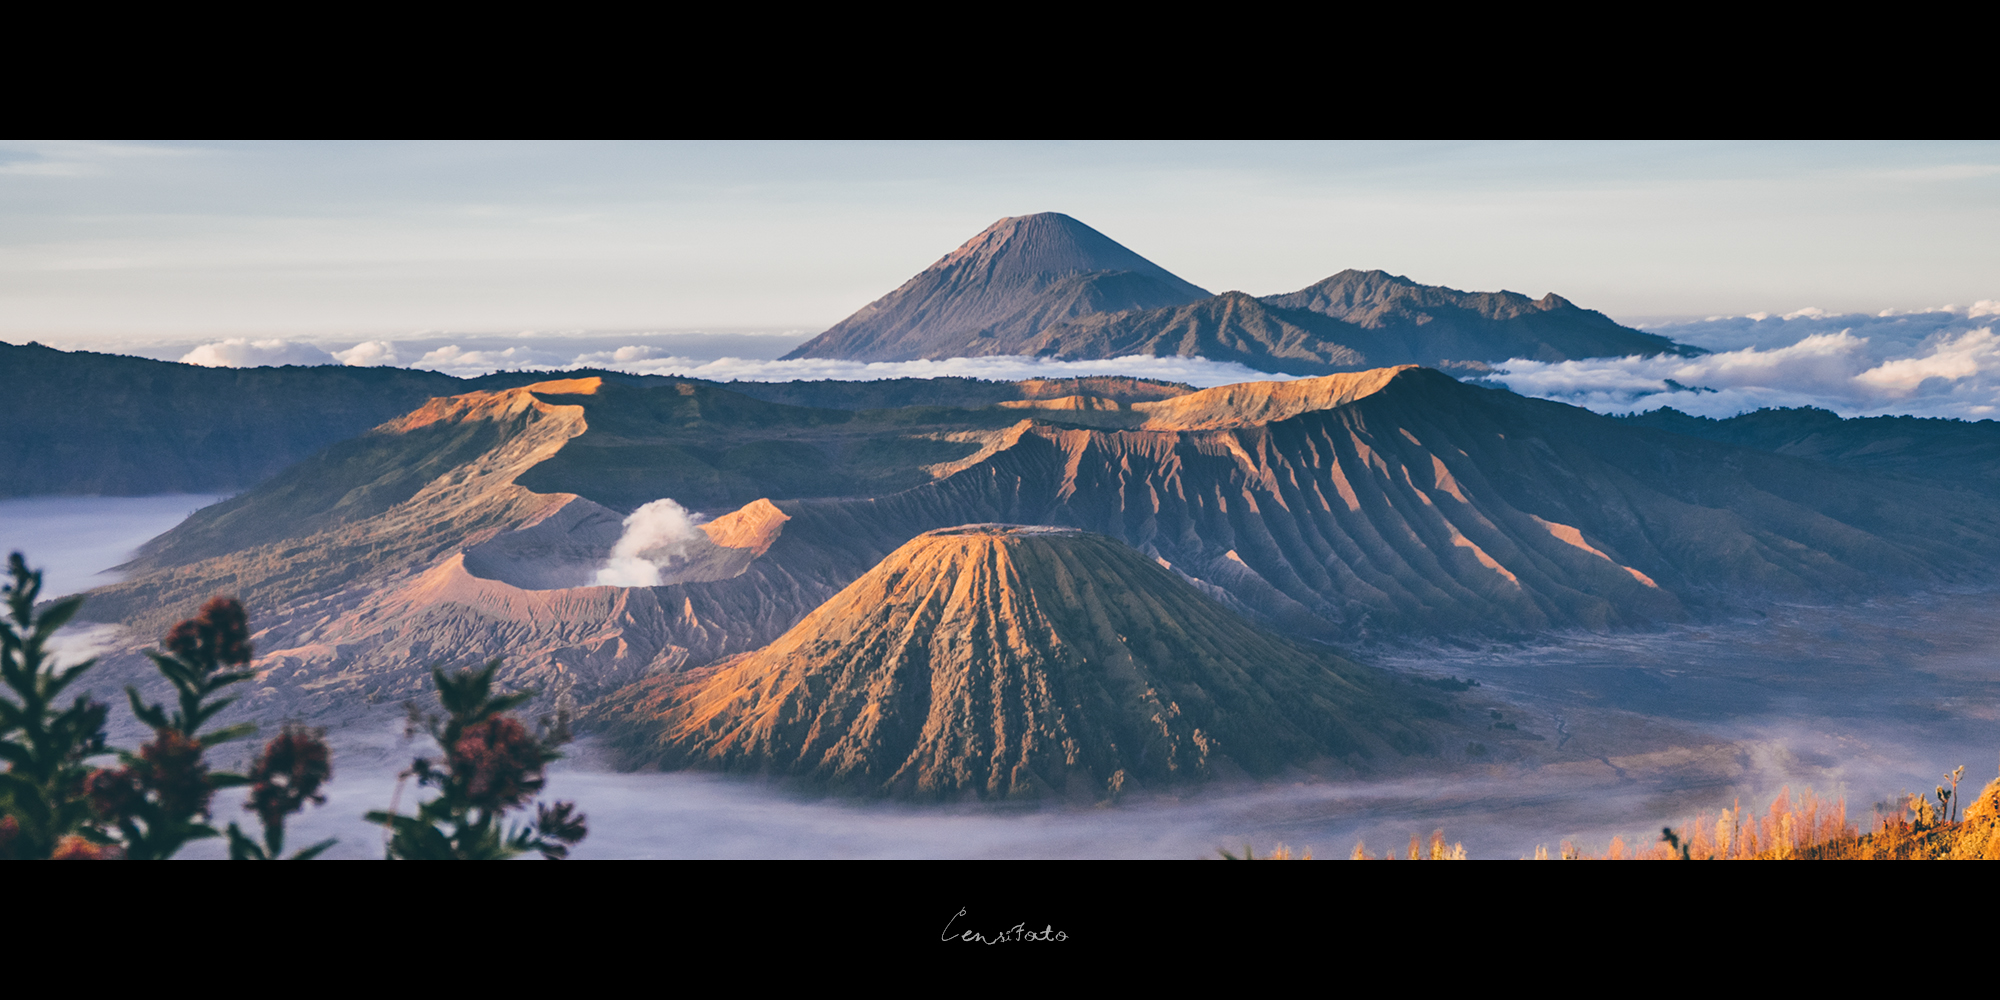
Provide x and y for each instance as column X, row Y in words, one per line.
column 1051, row 552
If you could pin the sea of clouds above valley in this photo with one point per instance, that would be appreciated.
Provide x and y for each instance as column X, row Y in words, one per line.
column 1942, row 362
column 640, row 359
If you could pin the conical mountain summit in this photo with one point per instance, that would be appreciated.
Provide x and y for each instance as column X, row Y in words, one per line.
column 1007, row 660
column 1049, row 286
column 1004, row 285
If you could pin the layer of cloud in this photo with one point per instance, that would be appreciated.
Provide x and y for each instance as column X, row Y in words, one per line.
column 241, row 352
column 455, row 360
column 1941, row 362
column 550, row 353
column 368, row 353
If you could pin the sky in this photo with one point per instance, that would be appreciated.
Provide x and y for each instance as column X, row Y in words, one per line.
column 468, row 257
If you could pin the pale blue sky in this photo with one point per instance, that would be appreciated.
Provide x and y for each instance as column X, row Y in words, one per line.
column 110, row 242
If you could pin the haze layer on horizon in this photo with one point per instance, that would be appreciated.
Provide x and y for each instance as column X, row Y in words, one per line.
column 113, row 246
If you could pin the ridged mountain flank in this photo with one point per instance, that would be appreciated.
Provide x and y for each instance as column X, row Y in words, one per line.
column 1003, row 286
column 1007, row 660
column 1351, row 321
column 1390, row 504
column 1049, row 286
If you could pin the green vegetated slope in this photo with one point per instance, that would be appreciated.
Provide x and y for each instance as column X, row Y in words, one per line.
column 86, row 424
column 1956, row 454
column 1008, row 661
column 714, row 449
column 90, row 424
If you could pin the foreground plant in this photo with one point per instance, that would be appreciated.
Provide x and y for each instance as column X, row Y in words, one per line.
column 492, row 765
column 286, row 776
column 54, row 804
column 44, row 811
column 158, row 801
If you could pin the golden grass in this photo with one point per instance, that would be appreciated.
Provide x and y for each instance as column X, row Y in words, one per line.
column 1804, row 827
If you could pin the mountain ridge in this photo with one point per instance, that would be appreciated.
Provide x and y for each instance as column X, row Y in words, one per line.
column 1380, row 506
column 1049, row 286
column 1010, row 661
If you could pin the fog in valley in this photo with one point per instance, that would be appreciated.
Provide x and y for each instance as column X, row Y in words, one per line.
column 76, row 541
column 1864, row 701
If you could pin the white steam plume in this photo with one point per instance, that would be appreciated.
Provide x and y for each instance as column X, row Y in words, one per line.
column 656, row 535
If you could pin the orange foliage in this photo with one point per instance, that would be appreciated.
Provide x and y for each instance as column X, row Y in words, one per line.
column 1792, row 828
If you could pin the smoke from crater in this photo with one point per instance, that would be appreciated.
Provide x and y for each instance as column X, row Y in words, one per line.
column 656, row 535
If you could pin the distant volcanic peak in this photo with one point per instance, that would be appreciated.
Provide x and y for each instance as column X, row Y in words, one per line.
column 1009, row 660
column 1370, row 297
column 1045, row 246
column 1247, row 404
column 1004, row 285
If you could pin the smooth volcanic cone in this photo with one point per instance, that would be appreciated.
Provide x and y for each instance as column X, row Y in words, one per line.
column 1005, row 660
column 1003, row 286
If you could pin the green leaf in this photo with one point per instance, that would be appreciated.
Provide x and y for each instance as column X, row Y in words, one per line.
column 151, row 715
column 224, row 735
column 309, row 853
column 242, row 848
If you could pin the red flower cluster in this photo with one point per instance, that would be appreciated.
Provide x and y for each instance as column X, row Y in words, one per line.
column 288, row 774
column 171, row 772
column 220, row 634
column 114, row 795
column 500, row 763
column 178, row 774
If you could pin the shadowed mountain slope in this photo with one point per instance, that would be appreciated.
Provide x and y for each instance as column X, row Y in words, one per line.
column 1385, row 504
column 1047, row 285
column 1955, row 454
column 105, row 424
column 1009, row 661
column 1351, row 321
column 87, row 424
column 1005, row 284
column 1228, row 327
column 1430, row 506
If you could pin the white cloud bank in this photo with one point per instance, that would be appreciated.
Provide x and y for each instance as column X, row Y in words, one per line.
column 1934, row 363
column 241, row 352
column 368, row 353
column 1941, row 362
column 639, row 359
column 1194, row 371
